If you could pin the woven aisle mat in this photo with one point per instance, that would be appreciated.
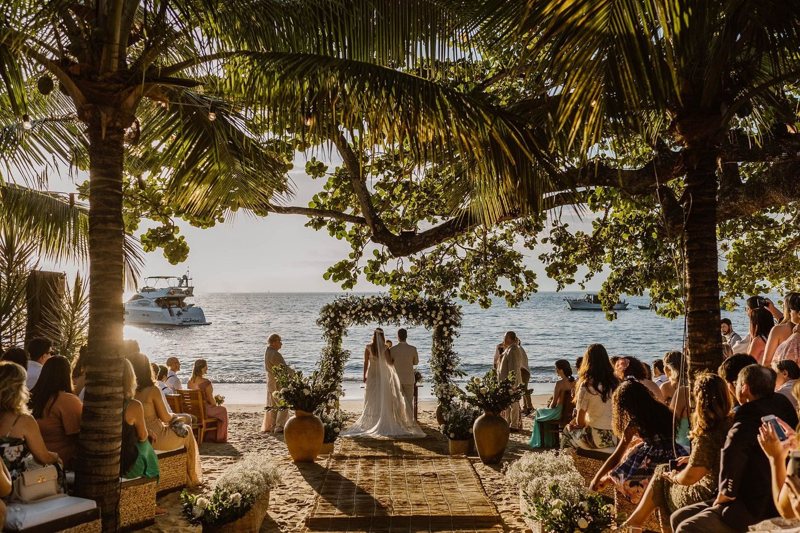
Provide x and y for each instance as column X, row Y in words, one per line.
column 404, row 485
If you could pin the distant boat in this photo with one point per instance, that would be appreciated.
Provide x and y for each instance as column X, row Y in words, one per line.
column 162, row 302
column 650, row 307
column 591, row 302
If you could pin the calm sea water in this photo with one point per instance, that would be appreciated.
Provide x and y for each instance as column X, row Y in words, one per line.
column 235, row 341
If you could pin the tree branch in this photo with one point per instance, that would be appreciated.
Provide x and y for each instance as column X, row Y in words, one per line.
column 312, row 212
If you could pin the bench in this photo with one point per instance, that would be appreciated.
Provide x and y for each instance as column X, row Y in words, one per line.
column 172, row 470
column 137, row 502
column 66, row 514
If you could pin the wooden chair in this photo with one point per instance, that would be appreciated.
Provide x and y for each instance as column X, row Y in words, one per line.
column 192, row 403
column 174, row 401
column 554, row 427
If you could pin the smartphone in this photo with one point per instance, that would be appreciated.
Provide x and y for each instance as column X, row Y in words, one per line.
column 793, row 468
column 761, row 301
column 771, row 419
column 675, row 465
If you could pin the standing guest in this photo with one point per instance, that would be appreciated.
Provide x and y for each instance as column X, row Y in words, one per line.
column 592, row 428
column 274, row 420
column 781, row 331
column 137, row 456
column 790, row 348
column 659, row 377
column 200, row 382
column 388, row 344
column 17, row 355
column 405, row 359
column 511, row 364
column 57, row 410
column 79, row 372
column 173, row 381
column 643, row 426
column 39, row 350
column 751, row 304
column 159, row 422
column 20, row 438
column 761, row 323
column 669, row 490
column 555, row 407
column 527, row 401
column 744, row 495
column 787, row 375
column 726, row 328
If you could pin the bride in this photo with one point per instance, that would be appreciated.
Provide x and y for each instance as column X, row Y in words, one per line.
column 385, row 413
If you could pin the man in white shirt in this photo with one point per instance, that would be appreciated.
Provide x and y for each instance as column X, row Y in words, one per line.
column 730, row 336
column 173, row 381
column 659, row 377
column 39, row 351
column 787, row 375
column 405, row 359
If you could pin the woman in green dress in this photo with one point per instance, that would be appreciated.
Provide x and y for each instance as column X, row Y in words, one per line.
column 670, row 490
column 137, row 455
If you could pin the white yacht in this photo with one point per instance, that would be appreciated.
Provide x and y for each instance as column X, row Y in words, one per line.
column 591, row 302
column 162, row 302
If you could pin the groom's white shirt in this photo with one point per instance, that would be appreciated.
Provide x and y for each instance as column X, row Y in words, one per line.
column 405, row 358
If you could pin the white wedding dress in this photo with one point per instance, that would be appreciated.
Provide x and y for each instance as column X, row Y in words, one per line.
column 385, row 414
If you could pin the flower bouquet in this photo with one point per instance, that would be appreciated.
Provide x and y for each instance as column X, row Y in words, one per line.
column 219, row 399
column 458, row 421
column 299, row 392
column 239, row 499
column 333, row 421
column 555, row 513
column 491, row 393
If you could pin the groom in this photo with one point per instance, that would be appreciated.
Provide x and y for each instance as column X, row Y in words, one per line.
column 405, row 358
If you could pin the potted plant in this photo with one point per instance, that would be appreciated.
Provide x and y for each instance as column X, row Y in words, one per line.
column 457, row 427
column 303, row 432
column 332, row 422
column 554, row 497
column 493, row 395
column 239, row 499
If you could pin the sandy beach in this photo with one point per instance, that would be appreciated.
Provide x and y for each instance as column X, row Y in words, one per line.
column 293, row 500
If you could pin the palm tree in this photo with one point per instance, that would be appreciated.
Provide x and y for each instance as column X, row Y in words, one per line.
column 195, row 90
column 680, row 75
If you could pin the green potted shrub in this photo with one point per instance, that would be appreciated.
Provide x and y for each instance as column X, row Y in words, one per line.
column 304, row 432
column 458, row 420
column 492, row 395
column 332, row 422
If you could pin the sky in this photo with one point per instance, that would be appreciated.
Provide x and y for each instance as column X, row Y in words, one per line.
column 272, row 254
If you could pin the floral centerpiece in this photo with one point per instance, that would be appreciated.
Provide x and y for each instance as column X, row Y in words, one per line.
column 298, row 392
column 553, row 495
column 333, row 421
column 458, row 421
column 491, row 393
column 239, row 499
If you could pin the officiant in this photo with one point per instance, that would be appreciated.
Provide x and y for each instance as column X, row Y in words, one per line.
column 512, row 360
column 273, row 420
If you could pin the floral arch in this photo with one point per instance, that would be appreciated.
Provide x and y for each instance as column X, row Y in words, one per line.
column 439, row 315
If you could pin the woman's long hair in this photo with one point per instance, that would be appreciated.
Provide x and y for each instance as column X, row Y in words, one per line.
column 633, row 404
column 761, row 323
column 197, row 370
column 56, row 377
column 142, row 370
column 596, row 370
column 13, row 392
column 713, row 403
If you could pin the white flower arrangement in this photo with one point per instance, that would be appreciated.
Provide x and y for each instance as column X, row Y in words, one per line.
column 533, row 473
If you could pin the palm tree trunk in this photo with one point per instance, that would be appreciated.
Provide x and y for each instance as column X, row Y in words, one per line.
column 101, row 426
column 704, row 345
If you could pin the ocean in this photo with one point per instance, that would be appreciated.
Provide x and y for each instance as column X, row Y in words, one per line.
column 234, row 343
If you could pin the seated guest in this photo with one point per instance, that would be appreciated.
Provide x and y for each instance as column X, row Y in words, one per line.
column 17, row 355
column 578, row 362
column 162, row 372
column 638, row 370
column 744, row 496
column 20, row 437
column 565, row 383
column 137, row 456
column 160, row 423
column 780, row 332
column 761, row 323
column 790, row 348
column 676, row 394
column 787, row 375
column 673, row 361
column 5, row 490
column 79, row 371
column 173, row 381
column 200, row 382
column 668, row 490
column 729, row 371
column 643, row 426
column 591, row 428
column 659, row 377
column 57, row 410
column 39, row 351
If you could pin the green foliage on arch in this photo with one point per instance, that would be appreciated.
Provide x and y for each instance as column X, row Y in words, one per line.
column 439, row 315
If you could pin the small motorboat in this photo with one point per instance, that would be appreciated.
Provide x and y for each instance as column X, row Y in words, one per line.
column 591, row 302
column 161, row 301
column 650, row 307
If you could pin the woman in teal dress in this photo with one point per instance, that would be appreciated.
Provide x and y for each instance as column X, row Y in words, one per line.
column 554, row 409
column 137, row 457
